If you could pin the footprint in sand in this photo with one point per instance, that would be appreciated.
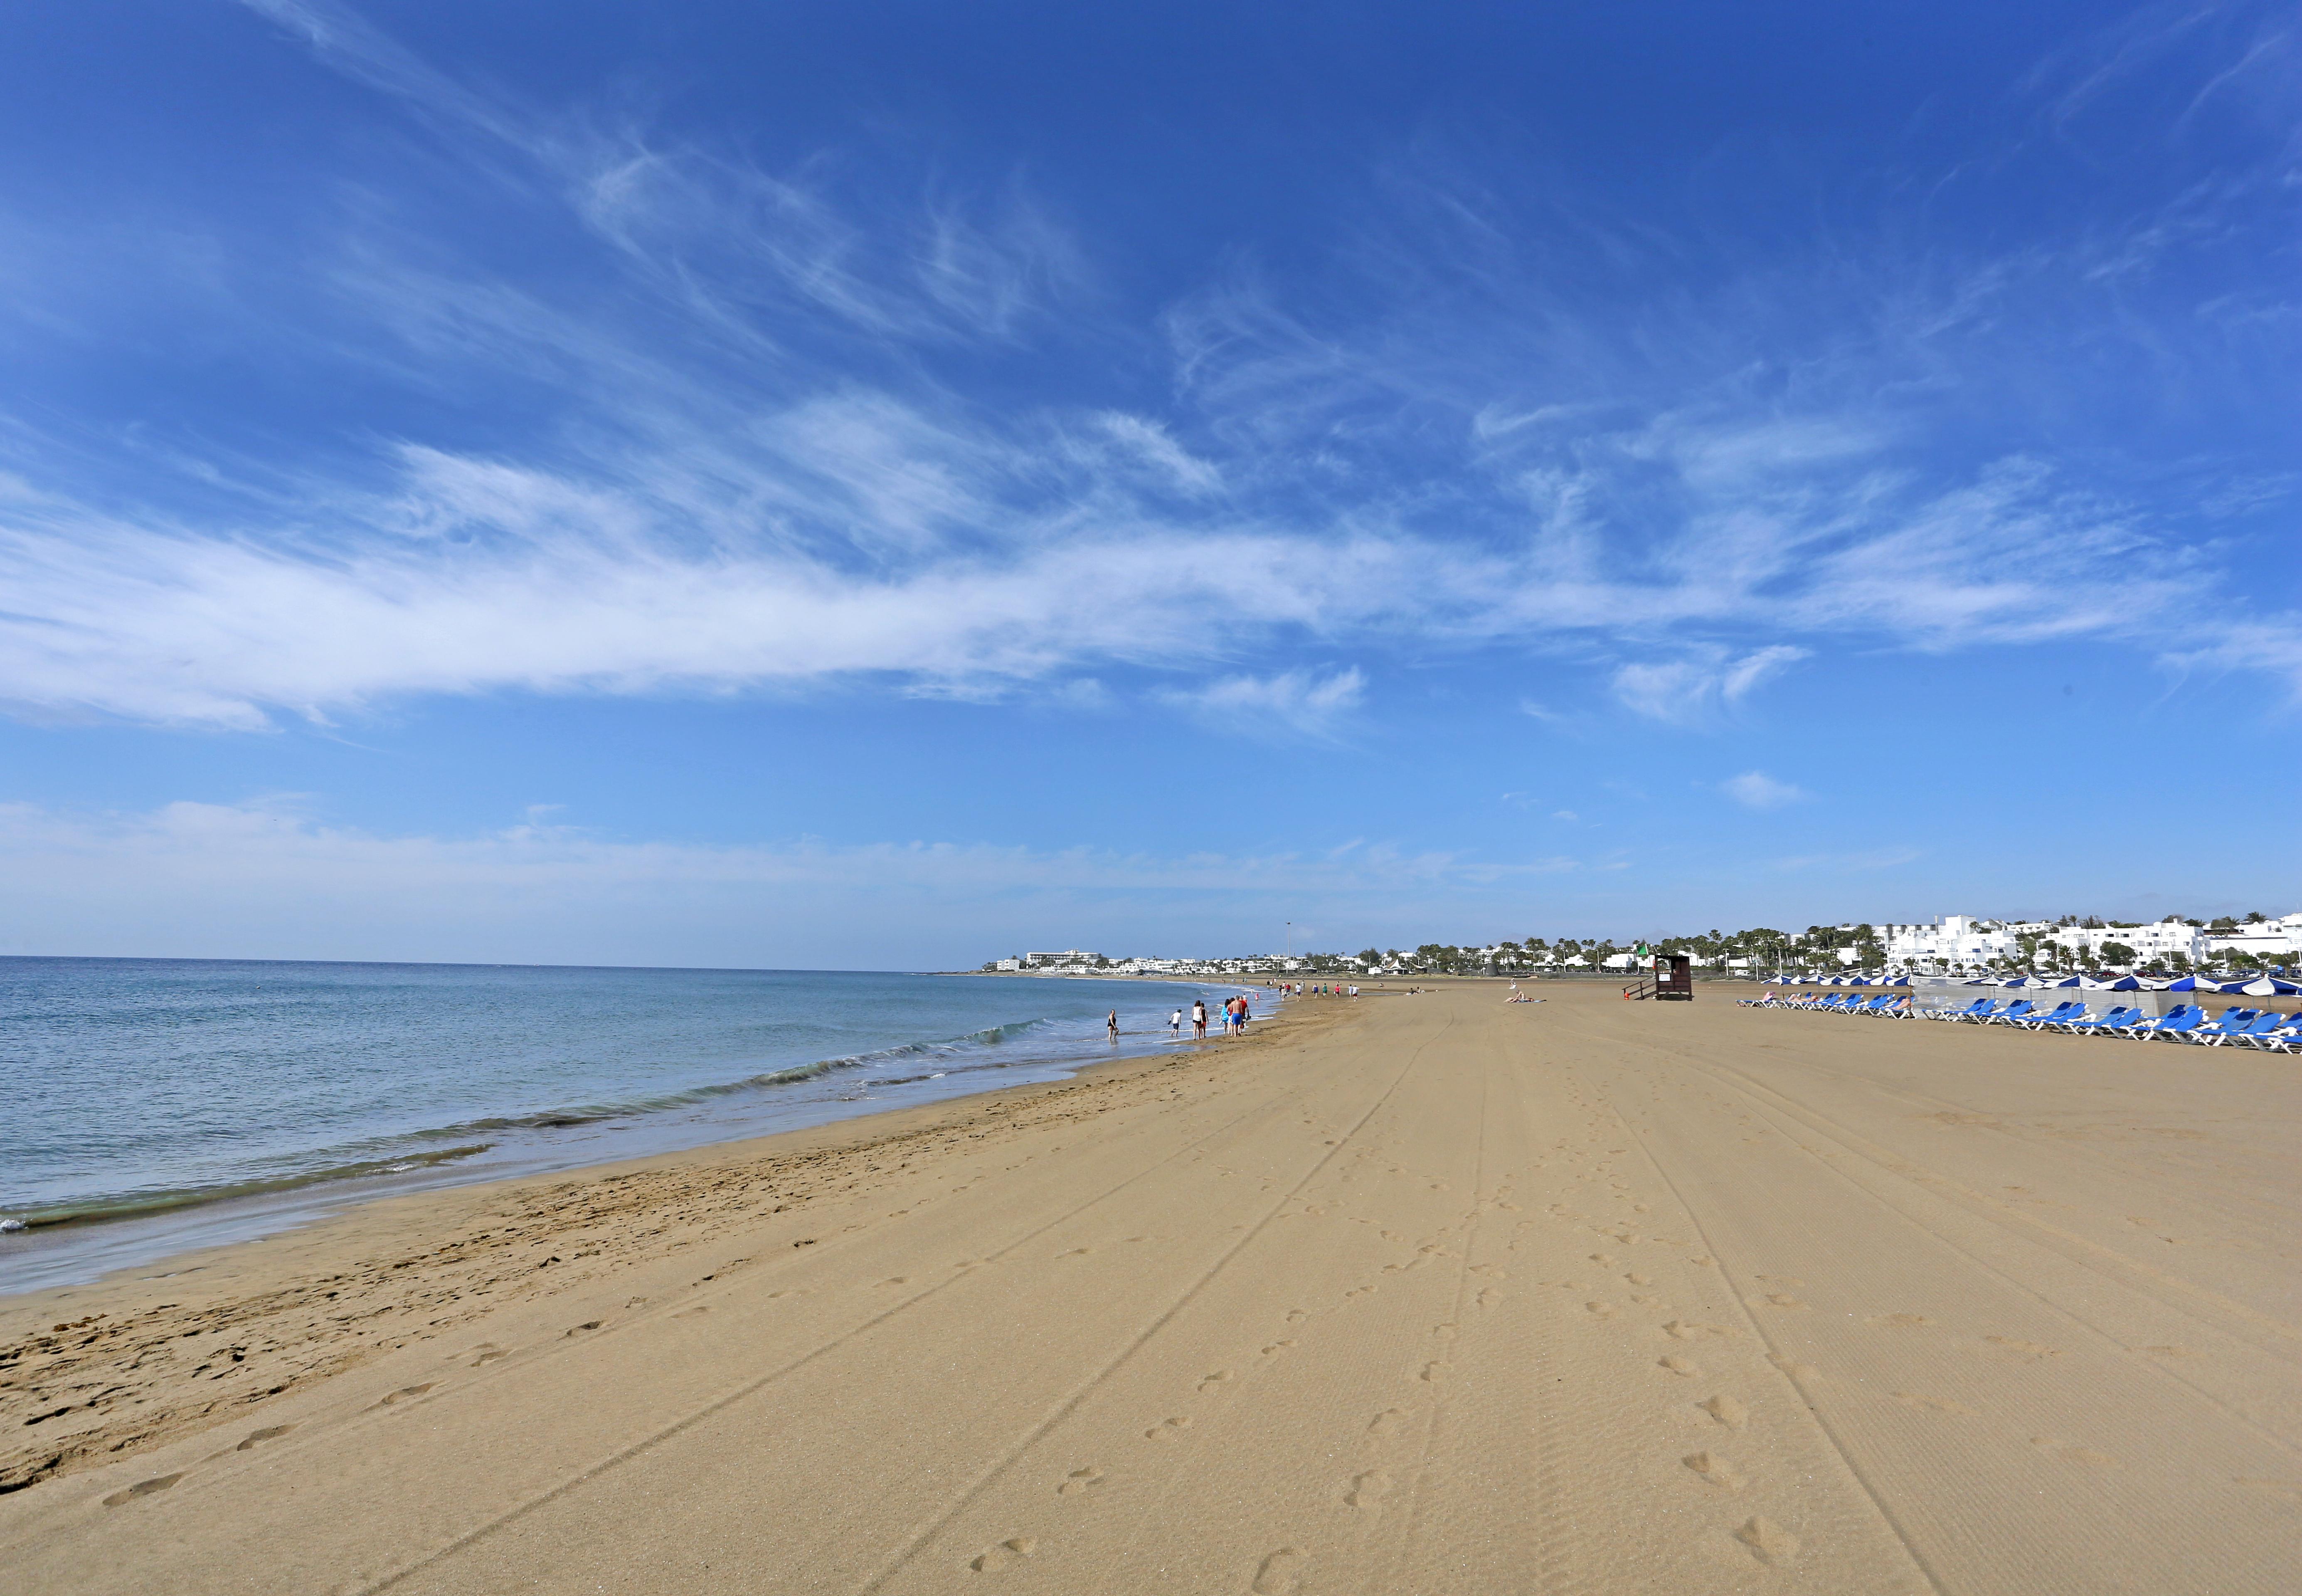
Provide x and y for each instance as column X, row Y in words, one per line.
column 1725, row 1410
column 587, row 1325
column 1080, row 1481
column 1715, row 1470
column 1276, row 1347
column 1216, row 1380
column 1295, row 1315
column 1648, row 1302
column 1687, row 1329
column 1367, row 1491
column 1638, row 1279
column 1391, row 1420
column 488, row 1354
column 141, row 1487
column 1278, row 1574
column 1677, row 1365
column 690, row 1313
column 406, row 1393
column 257, row 1438
column 1603, row 1309
column 1432, row 1374
column 1167, row 1429
column 1003, row 1554
column 1768, row 1541
column 1783, row 1299
column 1603, row 1260
column 1489, row 1297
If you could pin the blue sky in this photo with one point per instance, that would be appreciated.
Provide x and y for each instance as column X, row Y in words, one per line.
column 887, row 485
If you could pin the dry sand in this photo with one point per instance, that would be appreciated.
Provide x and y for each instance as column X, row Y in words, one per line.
column 1416, row 1295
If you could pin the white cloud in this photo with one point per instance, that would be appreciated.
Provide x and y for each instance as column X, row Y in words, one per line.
column 1298, row 700
column 759, row 481
column 1690, row 692
column 1755, row 789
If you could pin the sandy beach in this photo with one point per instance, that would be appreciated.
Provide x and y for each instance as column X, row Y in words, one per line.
column 1411, row 1295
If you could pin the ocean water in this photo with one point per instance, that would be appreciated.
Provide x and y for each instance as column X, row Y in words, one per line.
column 149, row 1105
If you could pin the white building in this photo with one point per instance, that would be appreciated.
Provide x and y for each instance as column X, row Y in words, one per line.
column 2152, row 943
column 1954, row 939
column 1959, row 939
column 2270, row 939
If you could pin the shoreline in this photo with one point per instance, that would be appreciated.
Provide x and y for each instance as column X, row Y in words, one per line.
column 247, row 1283
column 76, row 1242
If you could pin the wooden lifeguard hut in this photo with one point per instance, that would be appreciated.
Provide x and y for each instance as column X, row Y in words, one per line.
column 1672, row 981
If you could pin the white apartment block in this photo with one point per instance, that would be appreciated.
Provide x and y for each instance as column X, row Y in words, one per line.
column 1962, row 939
column 2264, row 938
column 1955, row 939
column 2151, row 943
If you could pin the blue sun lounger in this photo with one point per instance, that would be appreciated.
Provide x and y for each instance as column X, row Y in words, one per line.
column 2170, row 1025
column 2011, row 1014
column 1976, row 1007
column 2119, row 1016
column 2215, row 1032
column 2286, row 1038
column 2261, row 1025
column 2070, row 1010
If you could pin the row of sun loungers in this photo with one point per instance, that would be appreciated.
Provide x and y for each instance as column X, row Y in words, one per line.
column 2265, row 1028
column 1885, row 1006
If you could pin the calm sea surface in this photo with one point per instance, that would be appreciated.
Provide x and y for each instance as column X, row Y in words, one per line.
column 150, row 1106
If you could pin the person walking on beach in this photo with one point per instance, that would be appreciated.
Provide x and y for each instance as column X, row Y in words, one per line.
column 1175, row 1025
column 1198, row 1020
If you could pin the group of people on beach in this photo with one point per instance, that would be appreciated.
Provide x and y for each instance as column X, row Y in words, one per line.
column 1236, row 1013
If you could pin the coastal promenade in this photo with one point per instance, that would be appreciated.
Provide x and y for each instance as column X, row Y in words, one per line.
column 1418, row 1294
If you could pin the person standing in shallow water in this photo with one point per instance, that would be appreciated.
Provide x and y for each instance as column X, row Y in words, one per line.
column 1114, row 1023
column 1198, row 1020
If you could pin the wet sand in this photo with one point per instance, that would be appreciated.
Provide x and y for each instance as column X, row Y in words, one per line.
column 1417, row 1294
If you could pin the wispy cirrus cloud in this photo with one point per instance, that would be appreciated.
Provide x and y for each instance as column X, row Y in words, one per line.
column 1693, row 692
column 752, row 453
column 1303, row 702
